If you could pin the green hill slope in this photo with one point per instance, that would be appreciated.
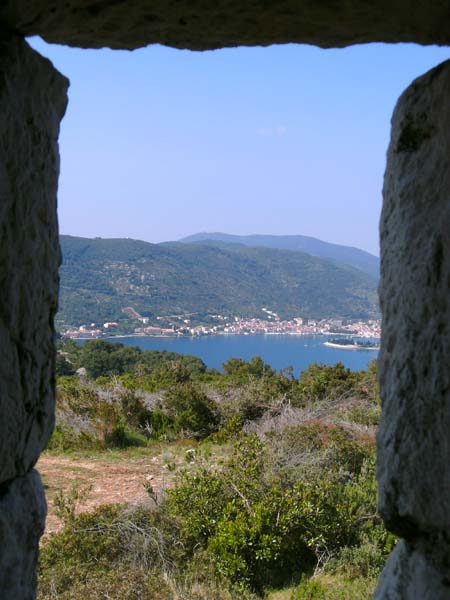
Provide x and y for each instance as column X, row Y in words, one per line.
column 99, row 277
column 347, row 255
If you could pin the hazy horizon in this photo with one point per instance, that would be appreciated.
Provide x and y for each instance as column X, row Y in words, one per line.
column 127, row 237
column 160, row 143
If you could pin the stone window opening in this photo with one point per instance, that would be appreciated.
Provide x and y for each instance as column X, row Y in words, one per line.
column 413, row 447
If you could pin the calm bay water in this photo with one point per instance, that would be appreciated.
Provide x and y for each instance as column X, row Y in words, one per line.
column 279, row 351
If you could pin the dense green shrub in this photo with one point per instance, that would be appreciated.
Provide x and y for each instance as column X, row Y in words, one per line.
column 161, row 424
column 197, row 503
column 134, row 411
column 101, row 358
column 319, row 381
column 259, row 527
column 63, row 366
column 191, row 410
column 242, row 370
column 65, row 439
column 125, row 554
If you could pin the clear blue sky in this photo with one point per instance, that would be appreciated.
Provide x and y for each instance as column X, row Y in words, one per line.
column 161, row 143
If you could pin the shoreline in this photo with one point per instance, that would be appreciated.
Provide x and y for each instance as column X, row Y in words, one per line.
column 219, row 334
column 351, row 346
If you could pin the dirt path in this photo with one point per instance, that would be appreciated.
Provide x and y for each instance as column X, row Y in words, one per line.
column 118, row 479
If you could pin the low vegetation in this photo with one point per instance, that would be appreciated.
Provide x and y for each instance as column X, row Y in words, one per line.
column 276, row 497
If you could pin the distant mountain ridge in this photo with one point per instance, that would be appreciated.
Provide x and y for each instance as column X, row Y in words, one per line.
column 348, row 255
column 99, row 277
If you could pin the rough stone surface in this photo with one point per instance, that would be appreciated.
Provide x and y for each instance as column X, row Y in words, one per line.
column 409, row 575
column 22, row 520
column 32, row 103
column 206, row 24
column 414, row 434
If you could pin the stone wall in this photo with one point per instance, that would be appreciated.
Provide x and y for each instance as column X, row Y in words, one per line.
column 32, row 103
column 414, row 435
column 200, row 24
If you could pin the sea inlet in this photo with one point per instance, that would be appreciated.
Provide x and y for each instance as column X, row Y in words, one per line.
column 280, row 351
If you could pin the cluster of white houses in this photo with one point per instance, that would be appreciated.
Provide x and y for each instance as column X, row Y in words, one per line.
column 222, row 325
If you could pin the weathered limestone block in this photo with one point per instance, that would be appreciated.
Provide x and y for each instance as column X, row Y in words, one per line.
column 414, row 362
column 201, row 25
column 22, row 520
column 409, row 575
column 32, row 103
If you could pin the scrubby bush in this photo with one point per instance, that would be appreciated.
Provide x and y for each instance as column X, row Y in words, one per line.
column 323, row 588
column 114, row 552
column 363, row 415
column 248, row 403
column 109, row 548
column 89, row 416
column 294, row 493
column 63, row 366
column 134, row 411
column 191, row 410
column 242, row 370
column 364, row 561
column 319, row 381
column 249, row 522
column 308, row 450
column 259, row 527
column 66, row 439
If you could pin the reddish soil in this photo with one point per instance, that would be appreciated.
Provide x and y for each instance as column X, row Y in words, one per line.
column 110, row 481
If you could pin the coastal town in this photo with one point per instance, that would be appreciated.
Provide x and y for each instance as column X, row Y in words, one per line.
column 268, row 324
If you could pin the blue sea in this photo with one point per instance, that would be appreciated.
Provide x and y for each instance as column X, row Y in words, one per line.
column 280, row 351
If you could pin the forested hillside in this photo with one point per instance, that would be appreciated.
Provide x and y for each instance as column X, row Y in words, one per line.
column 99, row 277
column 347, row 255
